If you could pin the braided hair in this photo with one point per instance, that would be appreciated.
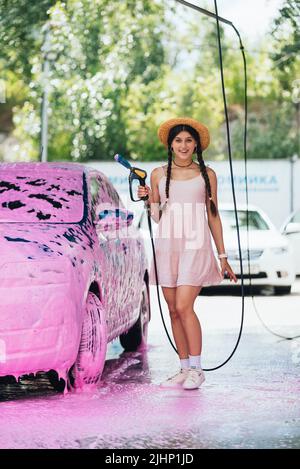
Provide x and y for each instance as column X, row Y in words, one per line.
column 172, row 134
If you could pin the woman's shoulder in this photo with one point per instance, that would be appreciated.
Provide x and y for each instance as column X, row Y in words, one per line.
column 210, row 171
column 158, row 172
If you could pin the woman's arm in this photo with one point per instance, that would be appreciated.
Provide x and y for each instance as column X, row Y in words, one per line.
column 215, row 224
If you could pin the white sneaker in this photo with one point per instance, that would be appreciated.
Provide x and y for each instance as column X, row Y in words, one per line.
column 194, row 379
column 176, row 380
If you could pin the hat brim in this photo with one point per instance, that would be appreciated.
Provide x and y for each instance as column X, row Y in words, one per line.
column 164, row 129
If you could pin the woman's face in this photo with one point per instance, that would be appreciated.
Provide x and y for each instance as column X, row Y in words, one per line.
column 184, row 146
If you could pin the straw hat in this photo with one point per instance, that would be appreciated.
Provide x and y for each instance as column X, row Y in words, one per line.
column 164, row 129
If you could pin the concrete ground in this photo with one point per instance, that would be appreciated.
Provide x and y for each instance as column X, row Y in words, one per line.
column 251, row 402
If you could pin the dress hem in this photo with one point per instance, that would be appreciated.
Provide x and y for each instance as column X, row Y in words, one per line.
column 211, row 284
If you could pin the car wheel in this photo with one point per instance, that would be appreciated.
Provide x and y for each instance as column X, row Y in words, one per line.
column 285, row 290
column 92, row 350
column 136, row 337
column 57, row 383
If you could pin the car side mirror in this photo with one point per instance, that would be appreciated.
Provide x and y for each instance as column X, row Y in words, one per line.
column 113, row 218
column 292, row 228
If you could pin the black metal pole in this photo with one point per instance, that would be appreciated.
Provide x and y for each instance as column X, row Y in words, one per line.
column 205, row 12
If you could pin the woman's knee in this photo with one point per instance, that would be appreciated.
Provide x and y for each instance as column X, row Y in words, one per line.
column 173, row 313
column 183, row 310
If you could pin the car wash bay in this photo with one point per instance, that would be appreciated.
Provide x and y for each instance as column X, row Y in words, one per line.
column 252, row 402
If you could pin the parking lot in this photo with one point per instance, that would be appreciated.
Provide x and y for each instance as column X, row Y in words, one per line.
column 251, row 402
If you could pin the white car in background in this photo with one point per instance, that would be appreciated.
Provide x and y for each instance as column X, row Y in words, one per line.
column 291, row 230
column 271, row 255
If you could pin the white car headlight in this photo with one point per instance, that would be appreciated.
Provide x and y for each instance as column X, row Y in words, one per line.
column 279, row 250
column 253, row 254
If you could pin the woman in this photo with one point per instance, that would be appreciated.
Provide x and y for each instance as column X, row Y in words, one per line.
column 181, row 193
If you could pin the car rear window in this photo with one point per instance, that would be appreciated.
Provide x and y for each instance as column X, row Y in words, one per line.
column 54, row 197
column 255, row 221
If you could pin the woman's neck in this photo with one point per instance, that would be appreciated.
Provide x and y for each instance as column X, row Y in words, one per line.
column 182, row 164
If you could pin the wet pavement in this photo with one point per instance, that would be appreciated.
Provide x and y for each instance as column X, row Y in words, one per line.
column 251, row 402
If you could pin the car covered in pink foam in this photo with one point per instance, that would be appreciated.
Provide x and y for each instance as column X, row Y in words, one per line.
column 74, row 273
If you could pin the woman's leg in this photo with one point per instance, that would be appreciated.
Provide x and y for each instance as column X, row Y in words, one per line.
column 184, row 306
column 177, row 328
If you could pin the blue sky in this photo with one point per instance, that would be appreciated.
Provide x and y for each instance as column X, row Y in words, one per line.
column 251, row 17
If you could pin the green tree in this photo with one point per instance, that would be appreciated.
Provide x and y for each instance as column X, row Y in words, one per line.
column 286, row 63
column 286, row 40
column 270, row 134
column 117, row 73
column 20, row 34
column 96, row 50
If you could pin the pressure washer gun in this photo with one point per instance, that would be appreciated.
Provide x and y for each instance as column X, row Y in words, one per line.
column 135, row 173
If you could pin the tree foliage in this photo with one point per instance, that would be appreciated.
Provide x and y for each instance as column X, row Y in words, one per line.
column 286, row 33
column 117, row 72
column 95, row 51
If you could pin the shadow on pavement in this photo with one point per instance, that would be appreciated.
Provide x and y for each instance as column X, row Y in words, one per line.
column 236, row 290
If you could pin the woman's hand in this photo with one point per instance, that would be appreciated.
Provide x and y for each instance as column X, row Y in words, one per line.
column 143, row 191
column 226, row 268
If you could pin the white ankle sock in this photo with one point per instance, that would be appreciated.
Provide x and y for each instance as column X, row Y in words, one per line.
column 185, row 363
column 195, row 361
